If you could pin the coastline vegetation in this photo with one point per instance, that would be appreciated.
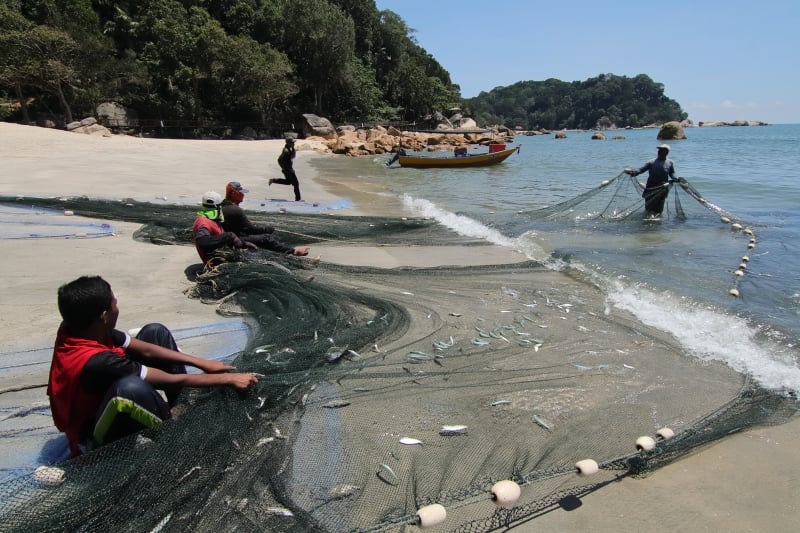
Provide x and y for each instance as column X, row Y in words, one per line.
column 264, row 62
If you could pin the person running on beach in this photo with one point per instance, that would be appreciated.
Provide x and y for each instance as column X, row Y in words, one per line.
column 208, row 234
column 235, row 221
column 103, row 383
column 286, row 161
column 661, row 172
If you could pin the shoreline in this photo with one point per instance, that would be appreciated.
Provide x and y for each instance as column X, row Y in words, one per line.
column 707, row 490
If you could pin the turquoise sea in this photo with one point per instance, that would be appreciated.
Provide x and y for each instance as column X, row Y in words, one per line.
column 675, row 275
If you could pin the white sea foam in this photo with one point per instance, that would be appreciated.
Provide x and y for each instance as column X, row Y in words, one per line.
column 710, row 335
column 705, row 333
column 469, row 227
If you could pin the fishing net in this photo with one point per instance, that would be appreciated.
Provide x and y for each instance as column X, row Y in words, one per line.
column 624, row 199
column 388, row 392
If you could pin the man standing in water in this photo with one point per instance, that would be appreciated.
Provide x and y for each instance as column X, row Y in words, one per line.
column 286, row 160
column 661, row 172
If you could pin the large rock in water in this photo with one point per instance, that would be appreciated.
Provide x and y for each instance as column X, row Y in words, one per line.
column 671, row 131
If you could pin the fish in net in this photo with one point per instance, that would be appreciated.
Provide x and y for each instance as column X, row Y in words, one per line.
column 387, row 393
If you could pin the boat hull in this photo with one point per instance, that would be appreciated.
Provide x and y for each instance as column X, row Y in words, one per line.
column 479, row 160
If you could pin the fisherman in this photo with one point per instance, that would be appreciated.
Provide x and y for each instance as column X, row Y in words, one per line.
column 208, row 234
column 661, row 172
column 286, row 161
column 400, row 153
column 235, row 221
column 103, row 383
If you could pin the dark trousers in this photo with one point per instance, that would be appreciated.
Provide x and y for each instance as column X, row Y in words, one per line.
column 290, row 178
column 654, row 199
column 131, row 404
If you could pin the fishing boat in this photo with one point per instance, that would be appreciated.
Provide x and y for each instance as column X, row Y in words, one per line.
column 457, row 160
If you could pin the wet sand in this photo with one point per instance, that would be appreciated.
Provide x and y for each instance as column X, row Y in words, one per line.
column 747, row 482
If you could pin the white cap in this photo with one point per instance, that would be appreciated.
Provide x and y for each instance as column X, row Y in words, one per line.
column 664, row 147
column 211, row 199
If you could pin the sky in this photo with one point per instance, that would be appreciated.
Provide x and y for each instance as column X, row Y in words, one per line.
column 721, row 60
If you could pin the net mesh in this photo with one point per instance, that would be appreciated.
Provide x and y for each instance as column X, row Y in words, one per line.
column 385, row 391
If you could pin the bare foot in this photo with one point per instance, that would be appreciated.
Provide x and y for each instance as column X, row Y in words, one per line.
column 300, row 251
column 269, row 183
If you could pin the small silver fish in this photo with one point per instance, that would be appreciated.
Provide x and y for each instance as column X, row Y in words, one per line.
column 387, row 475
column 480, row 342
column 453, row 430
column 540, row 422
column 336, row 404
column 500, row 402
column 279, row 511
column 408, row 441
column 343, row 490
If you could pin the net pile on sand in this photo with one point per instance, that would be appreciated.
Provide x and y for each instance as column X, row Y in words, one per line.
column 389, row 391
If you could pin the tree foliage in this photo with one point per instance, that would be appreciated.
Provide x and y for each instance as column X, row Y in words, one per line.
column 266, row 61
column 601, row 102
column 228, row 60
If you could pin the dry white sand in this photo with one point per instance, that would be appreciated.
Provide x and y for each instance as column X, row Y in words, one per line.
column 748, row 482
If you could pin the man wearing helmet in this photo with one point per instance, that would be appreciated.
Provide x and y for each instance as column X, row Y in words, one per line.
column 235, row 221
column 208, row 234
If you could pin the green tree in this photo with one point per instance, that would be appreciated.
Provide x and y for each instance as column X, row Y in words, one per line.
column 319, row 38
column 35, row 56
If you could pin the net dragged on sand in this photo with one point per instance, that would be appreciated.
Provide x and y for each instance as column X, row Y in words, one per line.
column 506, row 372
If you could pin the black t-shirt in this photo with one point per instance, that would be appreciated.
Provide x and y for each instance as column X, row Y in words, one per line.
column 104, row 368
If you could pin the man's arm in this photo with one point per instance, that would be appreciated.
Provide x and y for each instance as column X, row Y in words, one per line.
column 147, row 351
column 238, row 380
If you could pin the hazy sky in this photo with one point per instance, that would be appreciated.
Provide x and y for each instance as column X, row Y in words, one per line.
column 721, row 60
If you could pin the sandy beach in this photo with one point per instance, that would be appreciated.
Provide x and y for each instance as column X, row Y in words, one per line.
column 747, row 482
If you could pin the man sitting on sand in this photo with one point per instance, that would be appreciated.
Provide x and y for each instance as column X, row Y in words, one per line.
column 235, row 221
column 207, row 232
column 103, row 383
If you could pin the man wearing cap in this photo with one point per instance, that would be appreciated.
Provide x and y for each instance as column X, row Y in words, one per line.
column 235, row 221
column 286, row 160
column 661, row 172
column 208, row 234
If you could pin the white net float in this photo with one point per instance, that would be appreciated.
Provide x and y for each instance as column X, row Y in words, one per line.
column 431, row 515
column 725, row 220
column 665, row 433
column 68, row 213
column 587, row 467
column 645, row 443
column 736, row 226
column 505, row 493
column 50, row 476
column 734, row 292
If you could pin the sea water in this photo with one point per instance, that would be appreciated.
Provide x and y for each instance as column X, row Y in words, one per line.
column 675, row 275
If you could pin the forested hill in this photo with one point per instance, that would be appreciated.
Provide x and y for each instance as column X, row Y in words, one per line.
column 227, row 60
column 264, row 62
column 605, row 101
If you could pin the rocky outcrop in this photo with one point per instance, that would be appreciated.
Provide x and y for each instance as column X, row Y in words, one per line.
column 598, row 136
column 88, row 126
column 316, row 126
column 353, row 141
column 116, row 115
column 671, row 131
column 560, row 135
column 734, row 123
